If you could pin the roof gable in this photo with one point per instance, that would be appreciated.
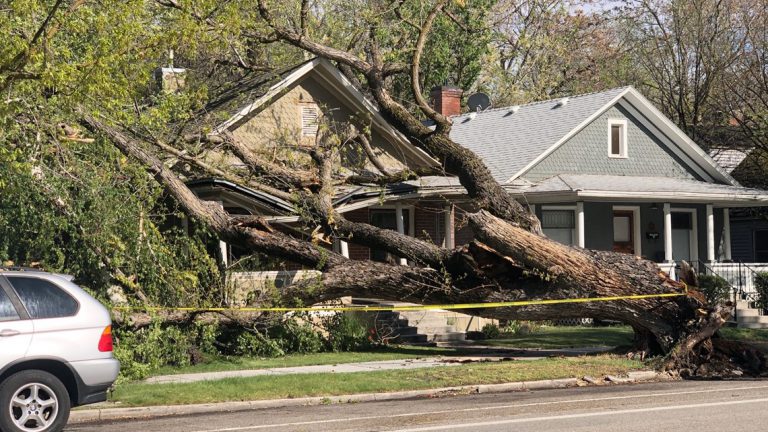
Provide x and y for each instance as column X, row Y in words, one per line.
column 512, row 140
column 327, row 74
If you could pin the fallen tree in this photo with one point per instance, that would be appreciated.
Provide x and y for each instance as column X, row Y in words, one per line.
column 508, row 260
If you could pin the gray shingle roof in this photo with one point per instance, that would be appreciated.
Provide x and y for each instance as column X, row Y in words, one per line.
column 508, row 141
column 729, row 159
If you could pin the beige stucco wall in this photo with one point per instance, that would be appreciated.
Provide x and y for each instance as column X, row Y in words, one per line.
column 278, row 125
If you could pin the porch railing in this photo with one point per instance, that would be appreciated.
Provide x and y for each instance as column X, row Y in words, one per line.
column 740, row 276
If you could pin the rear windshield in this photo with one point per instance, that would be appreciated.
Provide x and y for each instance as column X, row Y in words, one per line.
column 43, row 299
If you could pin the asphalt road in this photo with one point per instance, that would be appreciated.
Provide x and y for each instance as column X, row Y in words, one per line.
column 669, row 406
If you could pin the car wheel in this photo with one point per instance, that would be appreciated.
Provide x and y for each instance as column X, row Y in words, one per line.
column 33, row 401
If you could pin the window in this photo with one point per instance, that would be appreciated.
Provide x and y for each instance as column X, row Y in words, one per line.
column 559, row 225
column 42, row 298
column 309, row 115
column 7, row 310
column 386, row 218
column 617, row 138
column 682, row 221
column 761, row 246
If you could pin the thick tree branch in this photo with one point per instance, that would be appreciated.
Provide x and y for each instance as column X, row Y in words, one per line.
column 212, row 215
column 218, row 172
column 263, row 168
column 305, row 43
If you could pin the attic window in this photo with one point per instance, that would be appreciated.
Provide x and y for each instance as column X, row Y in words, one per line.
column 309, row 115
column 617, row 138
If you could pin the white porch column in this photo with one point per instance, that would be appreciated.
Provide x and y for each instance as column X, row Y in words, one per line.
column 580, row 224
column 223, row 245
column 344, row 248
column 449, row 242
column 400, row 226
column 667, row 233
column 710, row 234
column 726, row 234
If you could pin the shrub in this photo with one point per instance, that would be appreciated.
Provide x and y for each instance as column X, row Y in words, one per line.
column 294, row 337
column 255, row 343
column 513, row 327
column 142, row 351
column 714, row 288
column 761, row 285
column 490, row 331
column 346, row 333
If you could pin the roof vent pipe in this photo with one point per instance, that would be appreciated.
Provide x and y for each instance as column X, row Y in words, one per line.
column 563, row 102
column 513, row 109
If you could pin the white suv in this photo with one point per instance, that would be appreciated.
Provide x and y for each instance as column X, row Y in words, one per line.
column 55, row 350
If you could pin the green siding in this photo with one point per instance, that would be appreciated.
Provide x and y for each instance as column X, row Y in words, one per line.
column 587, row 153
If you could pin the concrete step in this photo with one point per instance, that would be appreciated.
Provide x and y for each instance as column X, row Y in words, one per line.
column 415, row 327
column 435, row 329
column 747, row 312
column 405, row 331
column 393, row 322
column 413, row 339
column 752, row 319
column 449, row 337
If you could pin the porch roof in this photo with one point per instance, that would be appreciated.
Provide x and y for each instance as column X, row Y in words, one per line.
column 574, row 187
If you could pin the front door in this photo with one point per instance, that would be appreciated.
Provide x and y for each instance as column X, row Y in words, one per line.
column 623, row 231
column 682, row 233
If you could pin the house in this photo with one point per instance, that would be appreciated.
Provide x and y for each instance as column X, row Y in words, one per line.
column 605, row 170
column 608, row 171
column 749, row 226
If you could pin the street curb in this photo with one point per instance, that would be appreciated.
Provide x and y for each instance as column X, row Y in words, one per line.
column 106, row 414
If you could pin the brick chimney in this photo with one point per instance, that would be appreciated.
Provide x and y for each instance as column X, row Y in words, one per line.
column 447, row 100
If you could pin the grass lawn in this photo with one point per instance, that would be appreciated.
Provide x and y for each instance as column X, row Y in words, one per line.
column 396, row 352
column 545, row 337
column 567, row 337
column 758, row 335
column 294, row 386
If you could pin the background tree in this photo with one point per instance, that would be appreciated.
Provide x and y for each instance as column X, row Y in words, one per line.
column 542, row 49
column 686, row 49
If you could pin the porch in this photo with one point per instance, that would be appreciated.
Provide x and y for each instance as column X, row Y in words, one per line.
column 662, row 232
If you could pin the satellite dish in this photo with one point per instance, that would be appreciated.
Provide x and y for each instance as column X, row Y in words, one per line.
column 478, row 102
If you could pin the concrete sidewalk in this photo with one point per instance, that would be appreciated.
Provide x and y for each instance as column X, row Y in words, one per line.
column 489, row 355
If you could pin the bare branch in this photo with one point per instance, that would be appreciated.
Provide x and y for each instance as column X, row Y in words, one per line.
column 442, row 122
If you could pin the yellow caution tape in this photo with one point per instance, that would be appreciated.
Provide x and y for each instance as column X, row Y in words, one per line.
column 404, row 308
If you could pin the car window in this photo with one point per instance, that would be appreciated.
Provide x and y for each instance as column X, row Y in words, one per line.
column 43, row 299
column 7, row 310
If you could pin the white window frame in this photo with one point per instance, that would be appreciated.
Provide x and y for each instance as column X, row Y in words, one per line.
column 574, row 238
column 637, row 241
column 623, row 153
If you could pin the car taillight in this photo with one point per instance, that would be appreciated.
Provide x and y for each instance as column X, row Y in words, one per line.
column 105, row 342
